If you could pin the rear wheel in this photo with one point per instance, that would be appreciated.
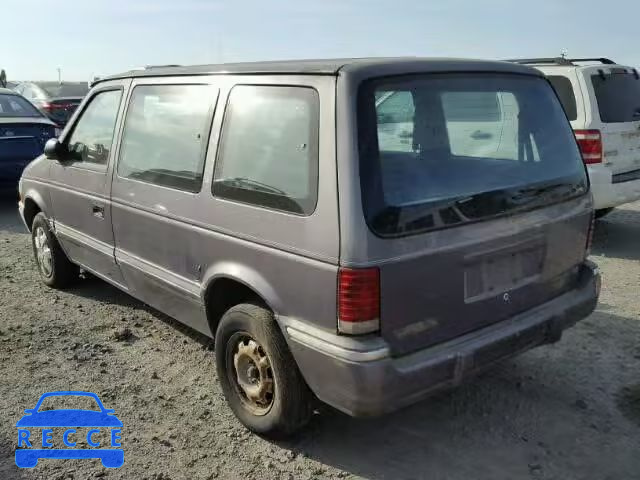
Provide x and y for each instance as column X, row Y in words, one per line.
column 603, row 211
column 258, row 374
column 55, row 268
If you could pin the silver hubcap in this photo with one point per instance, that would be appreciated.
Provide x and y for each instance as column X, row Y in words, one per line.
column 253, row 375
column 43, row 252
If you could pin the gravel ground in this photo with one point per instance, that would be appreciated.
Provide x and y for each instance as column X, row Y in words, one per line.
column 565, row 411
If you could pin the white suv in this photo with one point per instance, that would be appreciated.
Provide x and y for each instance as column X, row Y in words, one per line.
column 602, row 101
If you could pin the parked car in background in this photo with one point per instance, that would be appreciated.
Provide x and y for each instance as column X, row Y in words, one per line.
column 277, row 208
column 23, row 133
column 56, row 100
column 602, row 101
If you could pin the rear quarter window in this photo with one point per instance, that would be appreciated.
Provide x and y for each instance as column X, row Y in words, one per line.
column 268, row 153
column 564, row 90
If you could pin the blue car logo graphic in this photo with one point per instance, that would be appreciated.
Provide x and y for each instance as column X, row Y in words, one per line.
column 32, row 447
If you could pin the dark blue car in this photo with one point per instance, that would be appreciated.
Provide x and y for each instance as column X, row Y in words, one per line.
column 36, row 436
column 23, row 133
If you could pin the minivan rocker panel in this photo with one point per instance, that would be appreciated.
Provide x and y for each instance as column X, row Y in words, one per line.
column 389, row 227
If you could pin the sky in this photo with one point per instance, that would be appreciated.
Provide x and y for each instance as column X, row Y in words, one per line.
column 100, row 37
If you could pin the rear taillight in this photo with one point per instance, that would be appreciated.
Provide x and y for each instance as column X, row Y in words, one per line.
column 358, row 300
column 592, row 226
column 590, row 143
column 49, row 107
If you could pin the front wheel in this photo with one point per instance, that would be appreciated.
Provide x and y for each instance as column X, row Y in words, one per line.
column 55, row 268
column 258, row 374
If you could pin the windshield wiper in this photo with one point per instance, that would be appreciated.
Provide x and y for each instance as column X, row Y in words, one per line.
column 250, row 184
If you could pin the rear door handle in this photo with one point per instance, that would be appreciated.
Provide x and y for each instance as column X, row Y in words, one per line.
column 98, row 211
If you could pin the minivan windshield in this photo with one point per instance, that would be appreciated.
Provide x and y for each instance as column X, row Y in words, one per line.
column 441, row 150
column 618, row 96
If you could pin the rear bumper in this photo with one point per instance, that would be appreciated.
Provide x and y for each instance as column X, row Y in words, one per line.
column 607, row 194
column 363, row 381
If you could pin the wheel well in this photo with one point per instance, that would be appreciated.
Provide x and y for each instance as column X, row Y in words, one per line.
column 224, row 293
column 31, row 209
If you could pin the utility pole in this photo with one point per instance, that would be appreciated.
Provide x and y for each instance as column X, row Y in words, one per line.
column 59, row 74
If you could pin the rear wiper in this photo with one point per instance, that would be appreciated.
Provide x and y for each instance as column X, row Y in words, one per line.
column 540, row 194
column 250, row 184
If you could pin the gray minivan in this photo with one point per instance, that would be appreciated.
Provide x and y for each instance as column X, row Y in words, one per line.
column 359, row 231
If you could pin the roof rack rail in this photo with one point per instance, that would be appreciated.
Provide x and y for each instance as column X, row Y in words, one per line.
column 170, row 65
column 560, row 61
column 544, row 60
column 603, row 60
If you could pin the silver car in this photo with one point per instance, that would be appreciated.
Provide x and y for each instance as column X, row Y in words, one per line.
column 362, row 232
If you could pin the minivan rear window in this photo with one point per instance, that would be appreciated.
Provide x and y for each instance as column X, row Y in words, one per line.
column 442, row 150
column 564, row 89
column 618, row 96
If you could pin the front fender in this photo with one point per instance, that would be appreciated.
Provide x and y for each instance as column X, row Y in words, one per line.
column 34, row 195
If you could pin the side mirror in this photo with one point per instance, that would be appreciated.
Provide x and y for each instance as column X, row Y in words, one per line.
column 29, row 410
column 54, row 150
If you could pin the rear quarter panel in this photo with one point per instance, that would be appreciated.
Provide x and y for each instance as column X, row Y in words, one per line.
column 290, row 260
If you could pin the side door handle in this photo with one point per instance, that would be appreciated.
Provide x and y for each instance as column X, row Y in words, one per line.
column 97, row 211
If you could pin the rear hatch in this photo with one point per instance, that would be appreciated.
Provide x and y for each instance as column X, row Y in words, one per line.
column 617, row 93
column 474, row 188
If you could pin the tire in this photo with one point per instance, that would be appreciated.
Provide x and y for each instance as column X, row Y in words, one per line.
column 53, row 265
column 603, row 211
column 289, row 407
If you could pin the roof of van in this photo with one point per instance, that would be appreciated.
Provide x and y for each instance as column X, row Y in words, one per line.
column 328, row 67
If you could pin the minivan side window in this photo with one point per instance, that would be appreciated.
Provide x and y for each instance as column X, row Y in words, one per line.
column 92, row 134
column 165, row 135
column 268, row 154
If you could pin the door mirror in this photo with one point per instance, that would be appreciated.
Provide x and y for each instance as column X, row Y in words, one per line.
column 54, row 150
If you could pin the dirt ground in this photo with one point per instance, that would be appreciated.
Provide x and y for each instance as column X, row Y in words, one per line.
column 565, row 411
